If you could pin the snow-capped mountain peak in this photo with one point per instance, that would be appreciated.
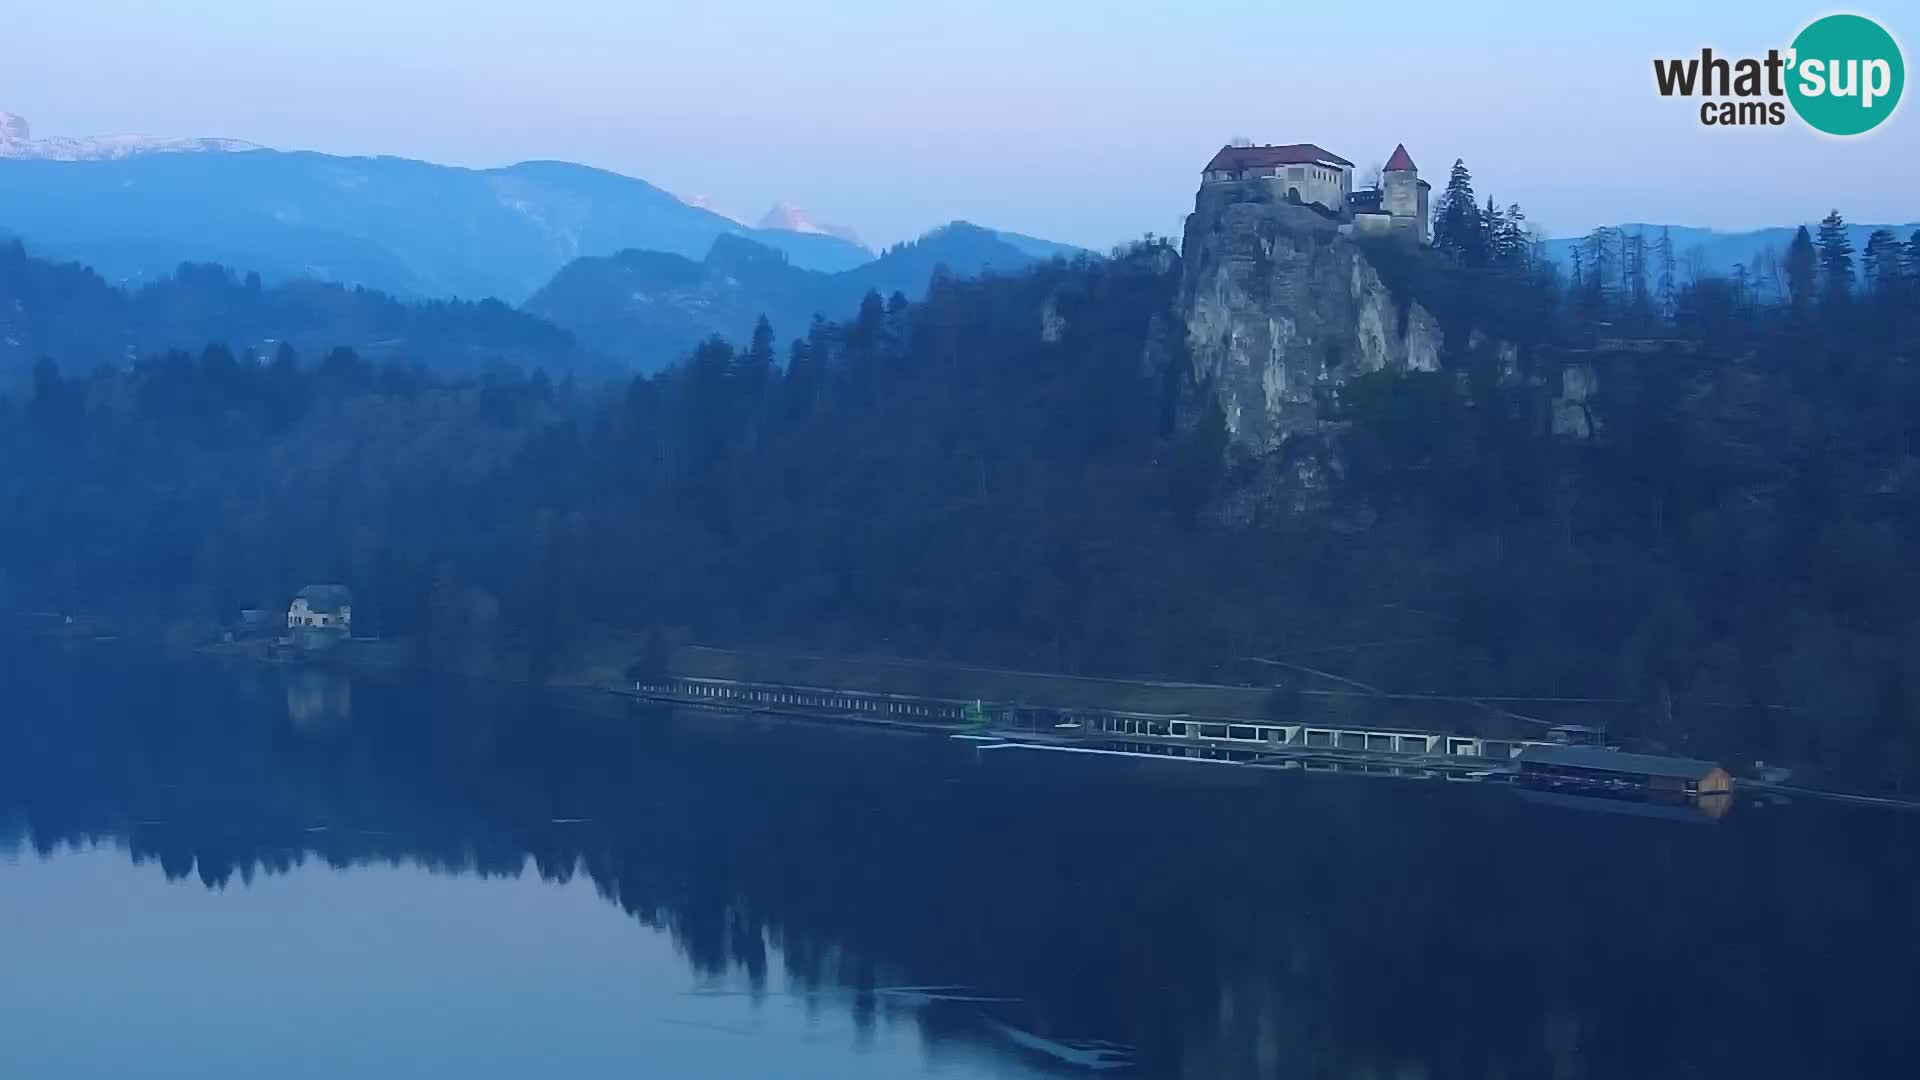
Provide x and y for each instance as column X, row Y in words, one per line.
column 790, row 218
column 702, row 202
column 17, row 141
column 785, row 215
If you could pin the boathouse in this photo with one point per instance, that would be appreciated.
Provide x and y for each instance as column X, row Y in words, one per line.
column 1593, row 769
column 1205, row 720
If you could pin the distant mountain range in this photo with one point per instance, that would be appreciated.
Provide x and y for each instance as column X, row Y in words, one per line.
column 17, row 141
column 135, row 207
column 647, row 308
column 1710, row 251
column 119, row 246
column 600, row 316
column 404, row 227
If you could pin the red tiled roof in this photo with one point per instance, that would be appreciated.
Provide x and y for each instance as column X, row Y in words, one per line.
column 1401, row 161
column 1235, row 158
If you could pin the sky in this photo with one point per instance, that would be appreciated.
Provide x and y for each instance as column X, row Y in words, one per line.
column 1080, row 121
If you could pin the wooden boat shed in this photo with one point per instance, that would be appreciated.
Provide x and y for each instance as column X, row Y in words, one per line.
column 1595, row 769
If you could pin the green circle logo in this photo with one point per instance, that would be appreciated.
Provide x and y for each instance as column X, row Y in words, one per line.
column 1846, row 74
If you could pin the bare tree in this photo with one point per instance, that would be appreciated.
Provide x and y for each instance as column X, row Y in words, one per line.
column 1633, row 258
column 1602, row 267
column 1663, row 251
column 1767, row 281
column 1696, row 263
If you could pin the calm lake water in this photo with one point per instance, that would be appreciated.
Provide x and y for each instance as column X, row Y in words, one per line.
column 238, row 872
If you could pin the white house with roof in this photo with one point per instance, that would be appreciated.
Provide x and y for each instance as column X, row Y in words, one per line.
column 320, row 615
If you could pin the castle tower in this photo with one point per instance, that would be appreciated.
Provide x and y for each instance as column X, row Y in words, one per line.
column 1404, row 195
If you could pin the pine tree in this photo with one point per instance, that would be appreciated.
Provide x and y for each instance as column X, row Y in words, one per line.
column 1506, row 234
column 802, row 381
column 821, row 339
column 1836, row 256
column 1493, row 226
column 1882, row 263
column 818, row 359
column 1802, row 263
column 706, row 411
column 753, row 369
column 896, row 322
column 1601, row 265
column 1663, row 251
column 863, row 336
column 1458, row 226
column 1518, row 250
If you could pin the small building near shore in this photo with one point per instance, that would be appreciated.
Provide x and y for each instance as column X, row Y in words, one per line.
column 320, row 616
column 1592, row 769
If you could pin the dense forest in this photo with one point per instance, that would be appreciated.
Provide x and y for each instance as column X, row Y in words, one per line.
column 649, row 308
column 632, row 311
column 1016, row 470
column 68, row 313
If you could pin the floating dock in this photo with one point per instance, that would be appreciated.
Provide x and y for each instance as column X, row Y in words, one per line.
column 1226, row 737
column 1200, row 723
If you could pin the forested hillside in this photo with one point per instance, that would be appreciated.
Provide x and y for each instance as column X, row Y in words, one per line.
column 65, row 312
column 1005, row 473
column 649, row 308
column 1755, row 259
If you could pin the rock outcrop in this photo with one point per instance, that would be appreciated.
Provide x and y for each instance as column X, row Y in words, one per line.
column 1280, row 307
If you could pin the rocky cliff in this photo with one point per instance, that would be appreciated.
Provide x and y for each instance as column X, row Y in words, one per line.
column 1280, row 307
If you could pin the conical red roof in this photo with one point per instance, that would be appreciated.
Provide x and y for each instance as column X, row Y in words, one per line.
column 1400, row 161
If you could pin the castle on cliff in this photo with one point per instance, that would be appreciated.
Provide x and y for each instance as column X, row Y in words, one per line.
column 1309, row 175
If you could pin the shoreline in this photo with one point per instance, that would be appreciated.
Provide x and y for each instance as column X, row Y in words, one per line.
column 602, row 664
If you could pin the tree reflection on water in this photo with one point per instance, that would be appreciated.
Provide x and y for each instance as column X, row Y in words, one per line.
column 1188, row 921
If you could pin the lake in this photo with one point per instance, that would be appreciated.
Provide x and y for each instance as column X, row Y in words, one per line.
column 215, row 871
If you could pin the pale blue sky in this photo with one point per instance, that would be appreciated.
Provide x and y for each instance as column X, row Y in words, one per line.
column 1078, row 120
